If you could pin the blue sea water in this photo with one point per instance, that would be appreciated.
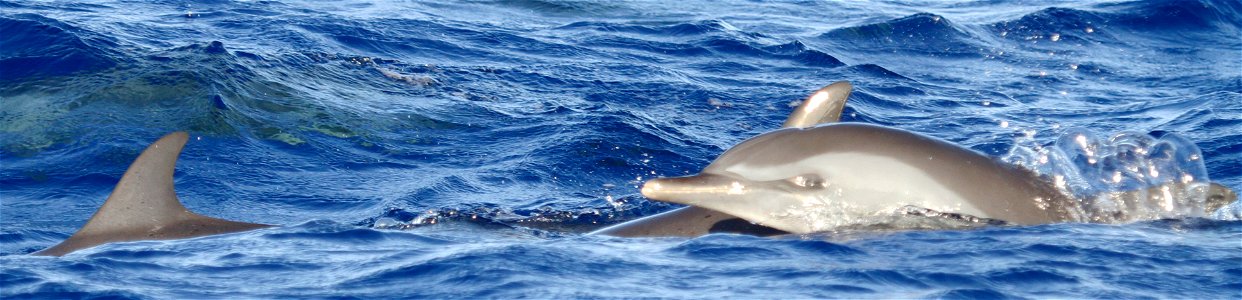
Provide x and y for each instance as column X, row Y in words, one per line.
column 462, row 149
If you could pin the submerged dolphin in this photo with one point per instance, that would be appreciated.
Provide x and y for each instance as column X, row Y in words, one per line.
column 802, row 179
column 144, row 206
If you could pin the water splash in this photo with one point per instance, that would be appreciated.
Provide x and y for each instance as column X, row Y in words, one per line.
column 1128, row 176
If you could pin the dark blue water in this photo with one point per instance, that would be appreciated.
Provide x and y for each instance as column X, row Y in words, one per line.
column 461, row 149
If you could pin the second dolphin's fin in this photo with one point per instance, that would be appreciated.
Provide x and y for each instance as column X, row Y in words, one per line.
column 144, row 206
column 822, row 106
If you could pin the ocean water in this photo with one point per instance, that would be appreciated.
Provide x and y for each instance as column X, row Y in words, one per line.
column 463, row 149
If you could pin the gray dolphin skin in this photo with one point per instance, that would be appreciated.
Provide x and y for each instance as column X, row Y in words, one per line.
column 144, row 206
column 803, row 179
column 783, row 179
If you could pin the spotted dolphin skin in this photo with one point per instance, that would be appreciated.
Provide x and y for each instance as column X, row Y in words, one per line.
column 144, row 206
column 803, row 179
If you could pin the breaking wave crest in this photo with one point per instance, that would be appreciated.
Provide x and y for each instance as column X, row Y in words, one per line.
column 1128, row 176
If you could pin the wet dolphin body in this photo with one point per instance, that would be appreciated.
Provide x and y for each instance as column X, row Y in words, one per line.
column 859, row 169
column 797, row 179
column 144, row 206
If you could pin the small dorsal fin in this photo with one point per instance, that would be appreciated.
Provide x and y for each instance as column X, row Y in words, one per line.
column 822, row 106
column 144, row 206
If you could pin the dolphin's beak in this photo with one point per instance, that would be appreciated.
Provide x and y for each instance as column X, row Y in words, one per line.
column 690, row 190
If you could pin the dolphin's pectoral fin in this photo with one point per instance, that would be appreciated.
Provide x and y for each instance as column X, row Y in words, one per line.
column 738, row 225
column 911, row 210
column 686, row 221
column 144, row 206
column 822, row 106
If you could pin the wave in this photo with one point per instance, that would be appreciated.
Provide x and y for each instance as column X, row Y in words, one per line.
column 1126, row 177
column 923, row 33
column 37, row 46
column 1177, row 15
column 659, row 30
column 1070, row 26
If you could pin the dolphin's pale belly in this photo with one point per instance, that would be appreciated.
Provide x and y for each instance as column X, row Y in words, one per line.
column 850, row 186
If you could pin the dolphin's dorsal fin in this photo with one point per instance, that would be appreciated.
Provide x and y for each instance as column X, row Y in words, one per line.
column 822, row 106
column 144, row 205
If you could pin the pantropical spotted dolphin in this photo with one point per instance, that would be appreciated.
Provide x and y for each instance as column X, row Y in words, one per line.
column 144, row 206
column 798, row 179
column 803, row 179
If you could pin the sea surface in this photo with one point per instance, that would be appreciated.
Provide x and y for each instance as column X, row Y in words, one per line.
column 463, row 149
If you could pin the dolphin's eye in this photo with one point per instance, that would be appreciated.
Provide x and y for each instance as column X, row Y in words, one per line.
column 808, row 181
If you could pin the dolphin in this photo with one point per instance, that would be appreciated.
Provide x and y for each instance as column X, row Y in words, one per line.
column 805, row 178
column 144, row 206
column 763, row 186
